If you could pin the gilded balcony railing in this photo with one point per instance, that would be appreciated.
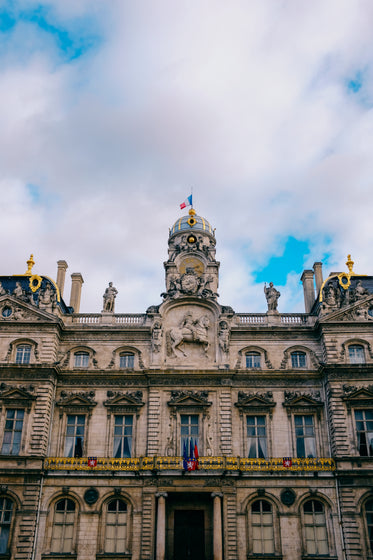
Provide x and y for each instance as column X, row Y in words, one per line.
column 158, row 463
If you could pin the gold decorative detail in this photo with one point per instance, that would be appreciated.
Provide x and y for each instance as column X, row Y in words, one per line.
column 191, row 262
column 176, row 464
column 344, row 278
column 350, row 264
column 30, row 263
column 192, row 221
column 35, row 282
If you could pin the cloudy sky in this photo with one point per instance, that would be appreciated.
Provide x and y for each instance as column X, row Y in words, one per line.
column 112, row 110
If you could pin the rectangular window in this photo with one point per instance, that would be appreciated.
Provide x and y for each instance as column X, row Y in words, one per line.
column 356, row 354
column 123, row 436
column 13, row 432
column 305, row 436
column 189, row 432
column 74, row 435
column 253, row 360
column 364, row 428
column 256, row 437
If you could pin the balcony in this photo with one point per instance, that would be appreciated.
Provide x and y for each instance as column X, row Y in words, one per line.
column 140, row 464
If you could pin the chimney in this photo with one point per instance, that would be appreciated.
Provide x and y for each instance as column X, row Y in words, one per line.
column 76, row 290
column 308, row 289
column 61, row 273
column 317, row 268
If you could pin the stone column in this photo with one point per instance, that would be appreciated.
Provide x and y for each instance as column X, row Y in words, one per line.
column 308, row 289
column 161, row 526
column 217, row 530
column 61, row 273
column 317, row 268
column 76, row 290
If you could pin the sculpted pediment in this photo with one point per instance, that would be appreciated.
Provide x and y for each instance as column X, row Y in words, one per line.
column 358, row 395
column 19, row 395
column 255, row 401
column 12, row 309
column 189, row 398
column 81, row 399
column 127, row 400
column 293, row 399
column 361, row 310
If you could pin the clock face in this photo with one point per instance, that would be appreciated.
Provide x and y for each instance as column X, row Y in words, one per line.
column 191, row 262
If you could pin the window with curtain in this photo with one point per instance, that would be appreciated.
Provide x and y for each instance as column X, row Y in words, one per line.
column 81, row 359
column 364, row 430
column 189, row 425
column 315, row 528
column 305, row 436
column 256, row 436
column 369, row 521
column 6, row 513
column 263, row 538
column 74, row 441
column 13, row 431
column 298, row 360
column 356, row 354
column 63, row 526
column 253, row 360
column 123, row 426
column 126, row 360
column 116, row 527
column 23, row 354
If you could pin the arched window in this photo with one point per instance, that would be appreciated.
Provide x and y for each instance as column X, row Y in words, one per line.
column 356, row 354
column 298, row 359
column 253, row 360
column 126, row 360
column 81, row 359
column 263, row 539
column 63, row 526
column 316, row 538
column 369, row 520
column 23, row 354
column 6, row 512
column 116, row 527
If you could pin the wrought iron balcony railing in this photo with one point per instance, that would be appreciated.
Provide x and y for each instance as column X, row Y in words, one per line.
column 176, row 463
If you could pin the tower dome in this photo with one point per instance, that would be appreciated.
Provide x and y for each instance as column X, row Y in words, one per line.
column 191, row 223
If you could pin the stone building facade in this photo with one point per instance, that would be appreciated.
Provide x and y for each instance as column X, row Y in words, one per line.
column 102, row 414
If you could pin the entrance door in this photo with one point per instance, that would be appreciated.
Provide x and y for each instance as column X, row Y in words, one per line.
column 189, row 535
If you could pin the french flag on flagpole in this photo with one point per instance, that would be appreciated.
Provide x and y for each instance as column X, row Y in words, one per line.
column 187, row 202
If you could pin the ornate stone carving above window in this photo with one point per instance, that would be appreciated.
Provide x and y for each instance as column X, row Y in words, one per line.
column 358, row 396
column 312, row 363
column 120, row 402
column 255, row 402
column 74, row 402
column 261, row 351
column 19, row 396
column 196, row 400
column 296, row 401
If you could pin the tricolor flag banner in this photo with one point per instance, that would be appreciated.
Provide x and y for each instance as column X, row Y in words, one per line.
column 190, row 462
column 92, row 462
column 287, row 462
column 196, row 455
column 187, row 202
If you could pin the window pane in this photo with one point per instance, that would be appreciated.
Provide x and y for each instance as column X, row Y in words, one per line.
column 256, row 436
column 305, row 436
column 364, row 429
column 356, row 354
column 74, row 440
column 23, row 354
column 298, row 359
column 81, row 359
column 127, row 360
column 253, row 360
column 6, row 509
column 13, row 432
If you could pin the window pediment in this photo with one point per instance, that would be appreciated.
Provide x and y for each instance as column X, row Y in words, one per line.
column 17, row 396
column 295, row 399
column 361, row 396
column 255, row 401
column 83, row 399
column 195, row 399
column 124, row 402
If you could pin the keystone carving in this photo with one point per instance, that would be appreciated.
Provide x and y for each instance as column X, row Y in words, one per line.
column 292, row 396
column 81, row 395
column 135, row 396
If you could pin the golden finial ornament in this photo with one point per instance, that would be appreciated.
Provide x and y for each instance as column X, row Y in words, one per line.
column 192, row 221
column 30, row 264
column 350, row 264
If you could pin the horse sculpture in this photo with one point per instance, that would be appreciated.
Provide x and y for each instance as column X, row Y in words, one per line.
column 189, row 331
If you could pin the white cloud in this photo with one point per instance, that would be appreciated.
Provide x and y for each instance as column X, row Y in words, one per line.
column 246, row 102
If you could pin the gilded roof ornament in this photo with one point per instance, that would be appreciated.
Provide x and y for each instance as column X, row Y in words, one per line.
column 30, row 264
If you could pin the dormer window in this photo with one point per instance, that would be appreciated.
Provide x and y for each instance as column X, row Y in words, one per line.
column 81, row 359
column 356, row 354
column 126, row 360
column 23, row 354
column 298, row 359
column 253, row 360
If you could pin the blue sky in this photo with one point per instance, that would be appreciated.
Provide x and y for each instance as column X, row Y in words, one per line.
column 111, row 111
